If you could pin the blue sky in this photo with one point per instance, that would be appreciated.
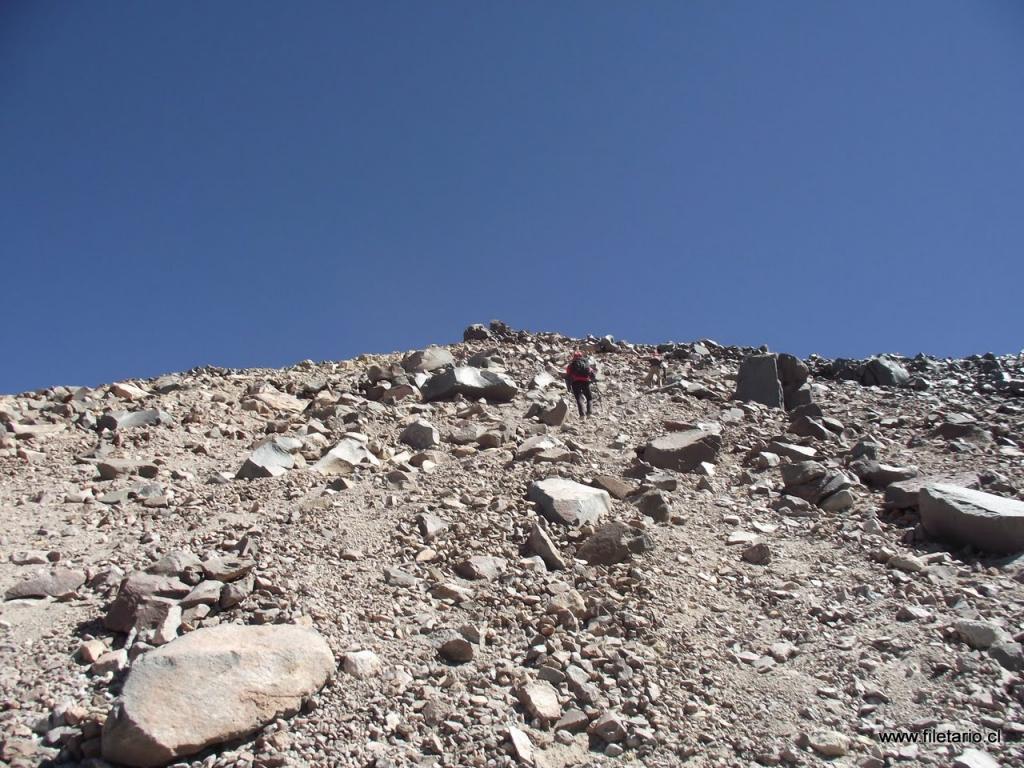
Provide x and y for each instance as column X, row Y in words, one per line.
column 256, row 183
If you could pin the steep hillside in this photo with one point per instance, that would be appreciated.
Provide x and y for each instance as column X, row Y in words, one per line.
column 712, row 581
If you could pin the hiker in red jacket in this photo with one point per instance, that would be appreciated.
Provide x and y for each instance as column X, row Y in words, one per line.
column 578, row 375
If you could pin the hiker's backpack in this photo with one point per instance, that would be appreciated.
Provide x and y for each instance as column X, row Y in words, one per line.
column 579, row 367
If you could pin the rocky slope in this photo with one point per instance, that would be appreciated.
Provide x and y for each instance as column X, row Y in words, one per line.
column 483, row 579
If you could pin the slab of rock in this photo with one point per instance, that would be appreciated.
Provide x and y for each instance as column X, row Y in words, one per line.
column 568, row 502
column 481, row 567
column 227, row 568
column 875, row 475
column 471, row 383
column 428, row 359
column 540, row 699
column 143, row 600
column 344, row 457
column 362, row 664
column 421, row 435
column 116, row 420
column 965, row 517
column 60, row 583
column 683, row 451
column 539, row 543
column 616, row 487
column 758, row 381
column 269, row 460
column 905, row 494
column 212, row 685
column 979, row 634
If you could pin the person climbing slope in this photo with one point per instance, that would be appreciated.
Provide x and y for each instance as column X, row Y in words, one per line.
column 578, row 376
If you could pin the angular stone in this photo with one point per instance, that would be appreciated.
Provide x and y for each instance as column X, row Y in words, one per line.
column 905, row 494
column 682, row 451
column 420, row 435
column 362, row 664
column 540, row 699
column 268, row 460
column 471, row 383
column 481, row 567
column 617, row 488
column 227, row 568
column 431, row 526
column 757, row 554
column 758, row 381
column 982, row 520
column 876, row 475
column 212, row 685
column 1009, row 654
column 654, row 505
column 539, row 543
column 344, row 457
column 141, row 596
column 613, row 543
column 608, row 727
column 792, row 452
column 568, row 502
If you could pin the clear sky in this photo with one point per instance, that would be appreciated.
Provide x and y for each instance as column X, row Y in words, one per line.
column 256, row 183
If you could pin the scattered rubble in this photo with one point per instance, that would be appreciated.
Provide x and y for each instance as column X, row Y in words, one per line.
column 428, row 559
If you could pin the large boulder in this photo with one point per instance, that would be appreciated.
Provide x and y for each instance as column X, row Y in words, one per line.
column 961, row 516
column 472, row 383
column 682, row 451
column 568, row 502
column 884, row 372
column 758, row 381
column 793, row 374
column 212, row 685
column 429, row 359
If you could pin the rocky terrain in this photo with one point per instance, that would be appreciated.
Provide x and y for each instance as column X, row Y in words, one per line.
column 429, row 559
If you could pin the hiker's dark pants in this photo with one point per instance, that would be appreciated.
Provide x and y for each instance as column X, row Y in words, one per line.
column 580, row 390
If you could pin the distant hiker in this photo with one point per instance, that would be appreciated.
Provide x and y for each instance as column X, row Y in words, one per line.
column 578, row 375
column 655, row 370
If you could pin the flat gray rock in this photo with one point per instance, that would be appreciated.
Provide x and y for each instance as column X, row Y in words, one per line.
column 471, row 383
column 683, row 451
column 758, row 381
column 269, row 460
column 212, row 685
column 962, row 516
column 116, row 420
column 568, row 502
